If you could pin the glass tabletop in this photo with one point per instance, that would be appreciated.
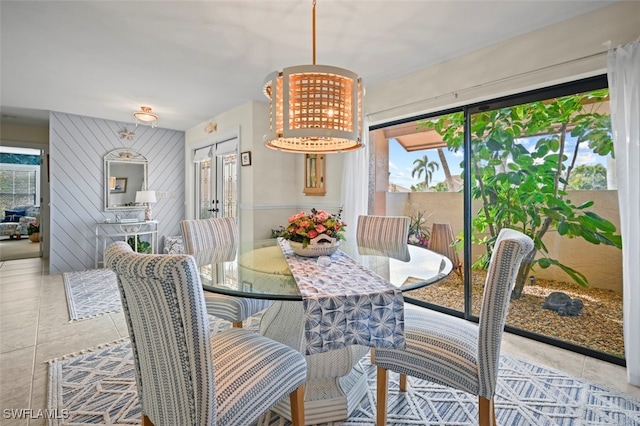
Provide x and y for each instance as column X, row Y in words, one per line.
column 259, row 269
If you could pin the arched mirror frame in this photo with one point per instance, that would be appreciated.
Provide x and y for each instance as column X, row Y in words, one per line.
column 123, row 157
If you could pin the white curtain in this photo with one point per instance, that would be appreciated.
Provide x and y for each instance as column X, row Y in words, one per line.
column 355, row 184
column 623, row 71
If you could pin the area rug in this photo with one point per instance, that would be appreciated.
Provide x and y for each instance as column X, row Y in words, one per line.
column 91, row 293
column 98, row 387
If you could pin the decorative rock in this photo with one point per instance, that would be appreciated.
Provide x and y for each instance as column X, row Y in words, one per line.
column 563, row 304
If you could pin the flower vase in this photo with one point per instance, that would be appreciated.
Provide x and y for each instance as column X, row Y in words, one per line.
column 34, row 237
column 322, row 245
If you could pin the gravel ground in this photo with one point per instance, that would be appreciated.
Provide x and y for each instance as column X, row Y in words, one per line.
column 599, row 327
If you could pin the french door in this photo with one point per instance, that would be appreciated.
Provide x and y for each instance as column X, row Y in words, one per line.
column 217, row 180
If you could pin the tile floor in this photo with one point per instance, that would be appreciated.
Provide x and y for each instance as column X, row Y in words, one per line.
column 35, row 328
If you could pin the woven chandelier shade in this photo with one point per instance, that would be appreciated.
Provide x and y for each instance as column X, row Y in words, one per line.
column 314, row 108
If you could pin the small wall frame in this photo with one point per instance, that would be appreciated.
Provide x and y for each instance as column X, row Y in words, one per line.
column 314, row 175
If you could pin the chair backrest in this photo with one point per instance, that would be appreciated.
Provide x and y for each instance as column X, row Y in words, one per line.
column 383, row 234
column 164, row 307
column 210, row 240
column 510, row 249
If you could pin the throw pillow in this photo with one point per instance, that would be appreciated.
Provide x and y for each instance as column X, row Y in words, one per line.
column 15, row 212
column 12, row 218
column 173, row 245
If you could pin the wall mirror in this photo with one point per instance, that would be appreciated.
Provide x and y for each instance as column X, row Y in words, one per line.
column 125, row 173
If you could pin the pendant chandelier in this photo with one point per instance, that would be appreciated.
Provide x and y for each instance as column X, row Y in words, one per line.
column 314, row 108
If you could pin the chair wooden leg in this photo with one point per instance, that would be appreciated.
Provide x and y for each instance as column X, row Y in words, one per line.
column 487, row 411
column 146, row 421
column 403, row 383
column 237, row 324
column 296, row 398
column 373, row 356
column 381, row 398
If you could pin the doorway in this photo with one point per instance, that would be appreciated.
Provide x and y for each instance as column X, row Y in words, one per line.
column 20, row 196
column 217, row 180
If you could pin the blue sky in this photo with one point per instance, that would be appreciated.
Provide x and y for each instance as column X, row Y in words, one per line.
column 401, row 161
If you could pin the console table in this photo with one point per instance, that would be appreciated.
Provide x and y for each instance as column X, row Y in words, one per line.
column 109, row 232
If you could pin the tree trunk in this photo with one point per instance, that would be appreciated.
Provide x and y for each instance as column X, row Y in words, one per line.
column 523, row 274
column 445, row 168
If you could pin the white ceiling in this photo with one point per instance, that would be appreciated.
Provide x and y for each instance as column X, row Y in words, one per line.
column 192, row 60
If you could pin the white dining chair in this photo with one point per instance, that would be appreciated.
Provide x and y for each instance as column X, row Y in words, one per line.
column 384, row 235
column 455, row 352
column 185, row 374
column 215, row 240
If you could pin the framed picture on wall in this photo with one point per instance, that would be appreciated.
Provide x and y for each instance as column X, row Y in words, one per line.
column 245, row 158
column 120, row 186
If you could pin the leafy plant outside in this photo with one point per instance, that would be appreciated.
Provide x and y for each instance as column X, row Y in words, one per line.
column 419, row 233
column 527, row 189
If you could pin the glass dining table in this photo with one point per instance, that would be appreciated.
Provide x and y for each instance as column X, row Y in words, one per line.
column 336, row 380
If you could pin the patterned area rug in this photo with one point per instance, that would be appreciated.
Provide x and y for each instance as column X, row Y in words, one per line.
column 91, row 293
column 98, row 387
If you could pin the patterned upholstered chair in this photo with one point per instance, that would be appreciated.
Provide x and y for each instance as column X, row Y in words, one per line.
column 185, row 375
column 452, row 351
column 216, row 240
column 383, row 234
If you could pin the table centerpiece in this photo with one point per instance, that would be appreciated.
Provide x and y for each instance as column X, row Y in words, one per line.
column 315, row 234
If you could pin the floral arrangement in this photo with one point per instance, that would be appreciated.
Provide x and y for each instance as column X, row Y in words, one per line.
column 304, row 227
column 33, row 227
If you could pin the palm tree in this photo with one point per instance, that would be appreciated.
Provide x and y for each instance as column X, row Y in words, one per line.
column 445, row 168
column 428, row 167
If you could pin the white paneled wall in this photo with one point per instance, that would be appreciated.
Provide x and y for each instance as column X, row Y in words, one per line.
column 78, row 145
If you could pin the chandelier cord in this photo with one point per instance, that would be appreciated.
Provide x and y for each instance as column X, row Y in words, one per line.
column 313, row 30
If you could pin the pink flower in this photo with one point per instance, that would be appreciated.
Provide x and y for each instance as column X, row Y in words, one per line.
column 312, row 234
column 322, row 216
column 304, row 224
column 337, row 226
column 297, row 216
column 320, row 228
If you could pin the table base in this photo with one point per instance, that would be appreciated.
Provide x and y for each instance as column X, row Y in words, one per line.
column 336, row 381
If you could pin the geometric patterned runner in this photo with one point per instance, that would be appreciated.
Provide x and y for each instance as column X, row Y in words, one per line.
column 91, row 293
column 99, row 387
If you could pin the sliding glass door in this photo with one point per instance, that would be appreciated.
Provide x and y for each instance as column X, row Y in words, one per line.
column 542, row 163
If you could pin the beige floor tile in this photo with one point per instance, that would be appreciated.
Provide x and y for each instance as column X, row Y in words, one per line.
column 550, row 356
column 25, row 272
column 73, row 344
column 18, row 338
column 610, row 375
column 17, row 364
column 17, row 306
column 17, row 320
column 120, row 323
column 17, row 396
column 25, row 293
column 56, row 330
column 17, row 286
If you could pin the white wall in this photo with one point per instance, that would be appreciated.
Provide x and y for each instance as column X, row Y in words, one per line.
column 541, row 58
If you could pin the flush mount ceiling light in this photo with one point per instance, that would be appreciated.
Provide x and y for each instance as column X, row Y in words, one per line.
column 314, row 108
column 145, row 116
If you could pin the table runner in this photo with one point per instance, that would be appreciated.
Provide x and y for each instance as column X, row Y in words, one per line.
column 346, row 303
